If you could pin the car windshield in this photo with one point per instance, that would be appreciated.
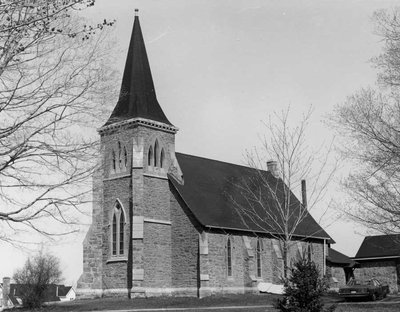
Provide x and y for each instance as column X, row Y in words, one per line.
column 355, row 282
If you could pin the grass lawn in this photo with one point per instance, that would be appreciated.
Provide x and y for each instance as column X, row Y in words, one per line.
column 163, row 302
column 375, row 307
column 387, row 305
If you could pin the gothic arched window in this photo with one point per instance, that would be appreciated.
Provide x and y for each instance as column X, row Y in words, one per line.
column 113, row 161
column 229, row 256
column 114, row 235
column 119, row 155
column 118, row 230
column 125, row 157
column 162, row 157
column 121, row 233
column 150, row 156
column 155, row 153
column 258, row 255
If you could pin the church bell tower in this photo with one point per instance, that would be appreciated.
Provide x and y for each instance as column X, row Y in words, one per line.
column 131, row 191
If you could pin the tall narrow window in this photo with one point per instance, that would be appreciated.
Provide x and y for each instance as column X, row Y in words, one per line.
column 150, row 156
column 162, row 158
column 119, row 155
column 114, row 235
column 121, row 233
column 113, row 161
column 118, row 230
column 155, row 153
column 258, row 255
column 125, row 157
column 229, row 256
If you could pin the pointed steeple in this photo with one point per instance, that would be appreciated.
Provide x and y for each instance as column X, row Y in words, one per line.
column 137, row 98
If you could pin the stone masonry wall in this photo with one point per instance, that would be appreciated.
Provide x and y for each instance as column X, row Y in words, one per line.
column 337, row 273
column 185, row 247
column 115, row 268
column 90, row 282
column 384, row 271
column 157, row 251
column 150, row 200
column 244, row 263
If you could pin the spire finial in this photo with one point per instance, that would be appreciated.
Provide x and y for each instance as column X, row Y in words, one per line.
column 136, row 12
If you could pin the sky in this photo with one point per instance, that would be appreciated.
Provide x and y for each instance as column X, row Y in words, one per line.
column 220, row 68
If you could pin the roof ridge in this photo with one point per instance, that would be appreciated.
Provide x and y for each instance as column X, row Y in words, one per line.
column 382, row 235
column 221, row 161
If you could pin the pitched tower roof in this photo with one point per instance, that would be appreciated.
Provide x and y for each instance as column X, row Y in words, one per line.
column 137, row 97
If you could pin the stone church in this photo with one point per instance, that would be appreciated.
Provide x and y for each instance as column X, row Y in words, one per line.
column 162, row 223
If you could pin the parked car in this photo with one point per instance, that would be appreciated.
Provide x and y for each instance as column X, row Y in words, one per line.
column 371, row 289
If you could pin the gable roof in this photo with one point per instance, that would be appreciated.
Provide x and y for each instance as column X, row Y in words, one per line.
column 379, row 246
column 337, row 258
column 206, row 190
column 137, row 97
column 63, row 290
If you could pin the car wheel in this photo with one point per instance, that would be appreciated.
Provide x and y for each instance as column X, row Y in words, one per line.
column 373, row 297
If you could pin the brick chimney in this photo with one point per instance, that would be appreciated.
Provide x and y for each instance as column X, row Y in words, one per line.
column 272, row 166
column 304, row 193
column 6, row 291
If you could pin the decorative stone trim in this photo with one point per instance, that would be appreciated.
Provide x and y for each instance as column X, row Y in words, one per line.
column 255, row 278
column 162, row 176
column 167, row 291
column 117, row 259
column 117, row 176
column 376, row 258
column 114, row 291
column 137, row 227
column 203, row 243
column 206, row 291
column 277, row 249
column 140, row 121
column 138, row 274
column 88, row 292
column 250, row 251
column 165, row 222
column 204, row 277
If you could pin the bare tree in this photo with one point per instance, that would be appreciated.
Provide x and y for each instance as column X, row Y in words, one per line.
column 266, row 201
column 35, row 277
column 369, row 124
column 53, row 85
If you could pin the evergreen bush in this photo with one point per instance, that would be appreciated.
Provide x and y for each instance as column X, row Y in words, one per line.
column 304, row 289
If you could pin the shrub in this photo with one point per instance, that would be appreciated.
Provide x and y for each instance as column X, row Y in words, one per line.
column 304, row 289
column 35, row 277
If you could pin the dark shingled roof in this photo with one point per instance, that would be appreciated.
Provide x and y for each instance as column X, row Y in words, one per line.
column 206, row 190
column 379, row 246
column 63, row 290
column 337, row 258
column 137, row 97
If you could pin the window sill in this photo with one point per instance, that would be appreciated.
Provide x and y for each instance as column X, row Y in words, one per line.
column 117, row 259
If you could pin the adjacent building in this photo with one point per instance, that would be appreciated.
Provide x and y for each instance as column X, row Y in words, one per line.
column 163, row 222
column 11, row 294
column 379, row 257
column 340, row 268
